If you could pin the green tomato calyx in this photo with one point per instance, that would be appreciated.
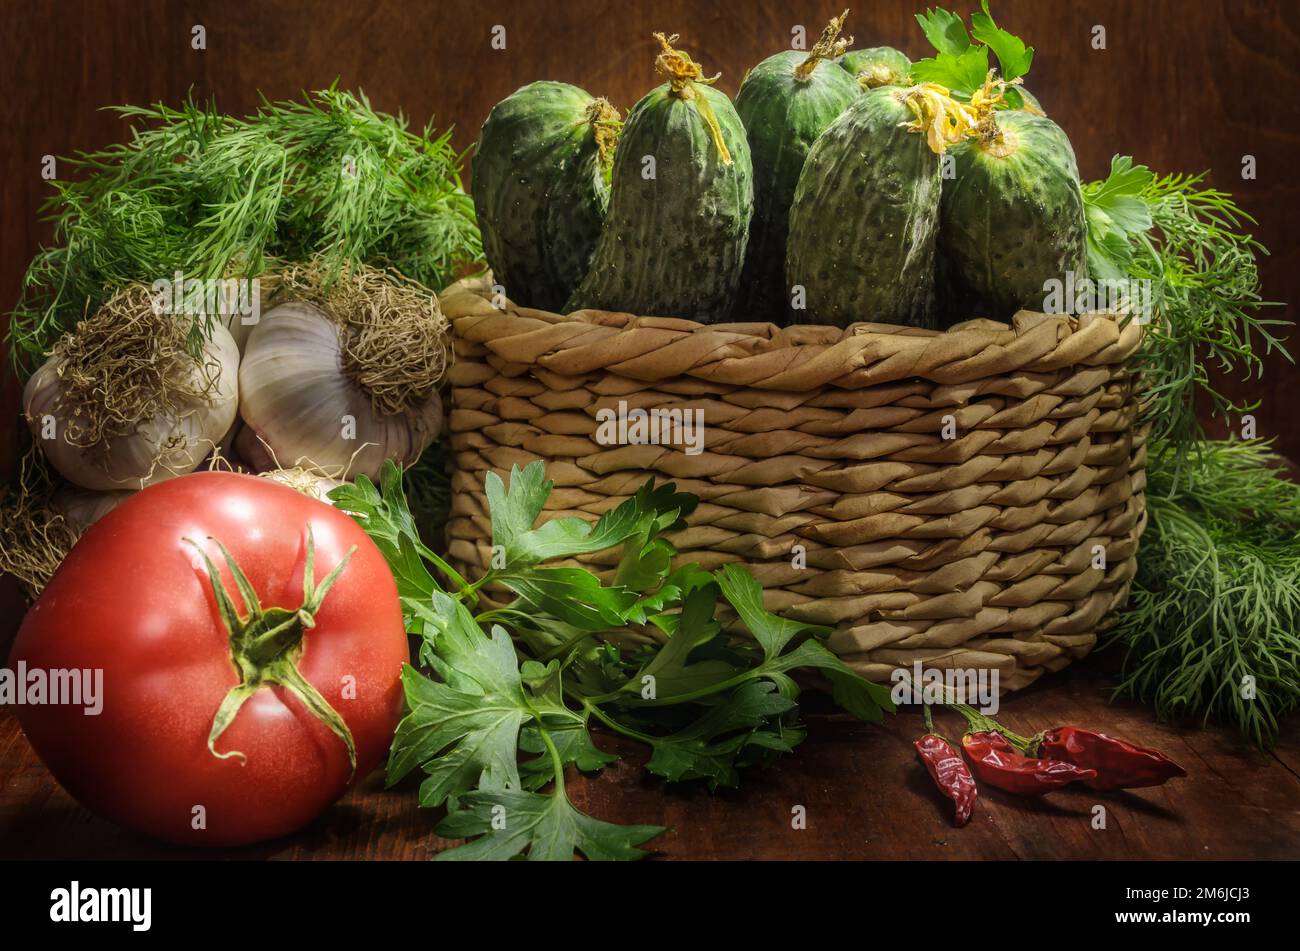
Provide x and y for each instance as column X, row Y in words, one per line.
column 267, row 643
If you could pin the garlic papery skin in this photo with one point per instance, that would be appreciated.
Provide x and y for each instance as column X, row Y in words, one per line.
column 158, row 448
column 310, row 483
column 302, row 408
column 240, row 328
column 82, row 508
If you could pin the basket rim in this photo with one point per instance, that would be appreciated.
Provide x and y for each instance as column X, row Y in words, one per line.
column 798, row 357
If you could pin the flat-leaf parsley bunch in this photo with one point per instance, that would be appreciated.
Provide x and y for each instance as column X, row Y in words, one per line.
column 516, row 688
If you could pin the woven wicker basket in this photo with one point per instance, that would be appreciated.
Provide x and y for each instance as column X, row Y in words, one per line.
column 977, row 551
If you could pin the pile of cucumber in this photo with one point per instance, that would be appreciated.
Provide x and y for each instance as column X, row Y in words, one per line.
column 834, row 190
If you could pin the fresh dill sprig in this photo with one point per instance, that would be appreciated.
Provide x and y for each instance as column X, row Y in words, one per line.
column 215, row 196
column 1213, row 623
column 1212, row 627
column 1205, row 267
column 1192, row 244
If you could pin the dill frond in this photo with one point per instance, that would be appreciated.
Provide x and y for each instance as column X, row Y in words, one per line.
column 1213, row 623
column 1207, row 309
column 215, row 196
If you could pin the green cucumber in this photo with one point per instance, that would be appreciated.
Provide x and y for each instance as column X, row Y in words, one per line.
column 682, row 194
column 540, row 189
column 1012, row 215
column 786, row 102
column 878, row 66
column 866, row 213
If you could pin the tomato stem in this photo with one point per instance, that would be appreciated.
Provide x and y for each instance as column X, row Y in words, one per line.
column 267, row 643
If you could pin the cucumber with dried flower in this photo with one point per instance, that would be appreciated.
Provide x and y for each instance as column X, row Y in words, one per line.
column 541, row 188
column 878, row 66
column 682, row 194
column 1012, row 216
column 786, row 102
column 866, row 211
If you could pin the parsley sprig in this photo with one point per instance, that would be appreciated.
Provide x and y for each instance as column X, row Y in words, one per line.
column 513, row 691
column 961, row 61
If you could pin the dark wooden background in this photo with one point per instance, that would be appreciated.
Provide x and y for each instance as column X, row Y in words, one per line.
column 1183, row 85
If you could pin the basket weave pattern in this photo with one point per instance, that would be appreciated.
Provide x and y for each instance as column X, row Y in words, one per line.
column 977, row 551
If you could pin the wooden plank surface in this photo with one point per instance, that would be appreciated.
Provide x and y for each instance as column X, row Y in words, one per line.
column 865, row 796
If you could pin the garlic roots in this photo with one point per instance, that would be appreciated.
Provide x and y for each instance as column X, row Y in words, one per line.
column 122, row 404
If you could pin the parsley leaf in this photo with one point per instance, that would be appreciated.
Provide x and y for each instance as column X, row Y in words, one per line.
column 474, row 715
column 574, row 745
column 945, row 31
column 515, row 510
column 708, row 748
column 962, row 65
column 861, row 697
column 671, row 670
column 1014, row 58
column 384, row 514
column 961, row 74
column 1116, row 212
column 484, row 729
column 746, row 595
column 506, row 823
column 573, row 595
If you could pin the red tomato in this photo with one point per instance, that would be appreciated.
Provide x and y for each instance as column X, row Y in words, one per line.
column 135, row 600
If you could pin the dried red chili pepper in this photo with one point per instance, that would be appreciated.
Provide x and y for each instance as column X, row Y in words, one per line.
column 995, row 761
column 1119, row 765
column 949, row 773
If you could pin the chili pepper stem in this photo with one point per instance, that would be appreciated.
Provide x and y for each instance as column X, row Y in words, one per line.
column 929, row 718
column 979, row 723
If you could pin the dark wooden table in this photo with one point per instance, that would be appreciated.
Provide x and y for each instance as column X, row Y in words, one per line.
column 864, row 793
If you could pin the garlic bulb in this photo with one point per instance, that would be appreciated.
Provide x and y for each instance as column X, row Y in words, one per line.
column 239, row 327
column 304, row 406
column 82, row 508
column 310, row 483
column 151, row 449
